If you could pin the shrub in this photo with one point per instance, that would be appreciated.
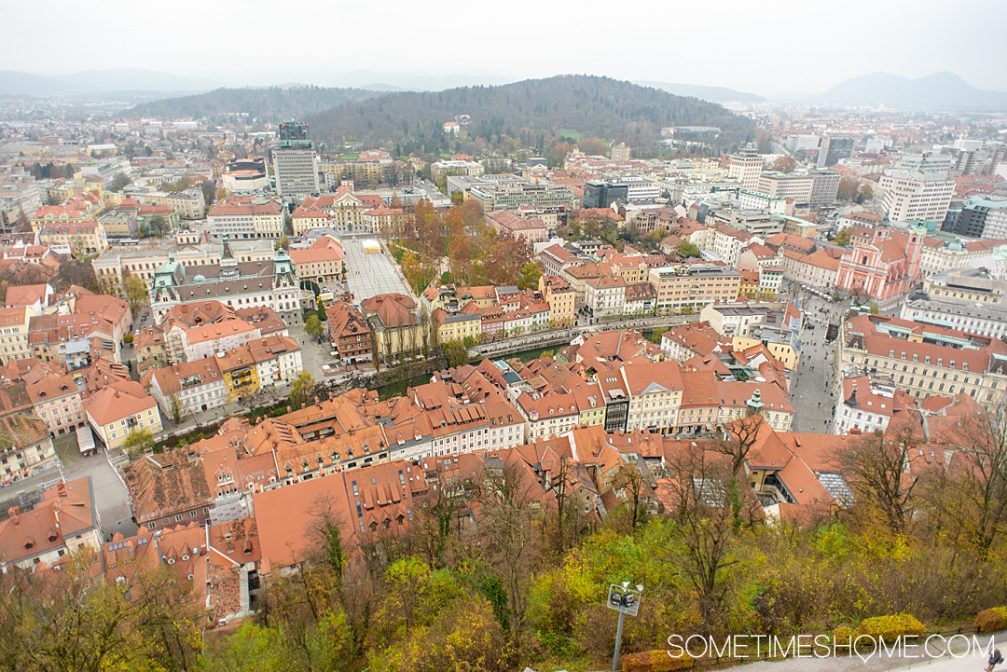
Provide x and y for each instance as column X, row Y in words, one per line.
column 844, row 634
column 891, row 626
column 657, row 660
column 992, row 620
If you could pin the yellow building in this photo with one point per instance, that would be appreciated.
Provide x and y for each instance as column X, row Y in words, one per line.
column 784, row 352
column 83, row 238
column 241, row 374
column 120, row 409
column 562, row 300
column 456, row 327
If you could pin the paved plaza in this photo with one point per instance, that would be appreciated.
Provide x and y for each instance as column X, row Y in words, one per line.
column 371, row 272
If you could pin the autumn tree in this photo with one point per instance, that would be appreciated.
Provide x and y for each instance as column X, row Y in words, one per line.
column 593, row 146
column 119, row 182
column 68, row 621
column 301, row 390
column 417, row 272
column 508, row 535
column 686, row 249
column 739, row 437
column 785, row 164
column 313, row 326
column 136, row 293
column 849, row 188
column 456, row 353
column 138, row 441
column 843, row 237
column 631, row 484
column 528, row 276
column 971, row 493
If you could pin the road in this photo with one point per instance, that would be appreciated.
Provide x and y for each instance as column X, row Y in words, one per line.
column 813, row 392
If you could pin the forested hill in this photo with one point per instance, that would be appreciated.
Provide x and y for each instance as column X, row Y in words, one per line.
column 266, row 104
column 531, row 113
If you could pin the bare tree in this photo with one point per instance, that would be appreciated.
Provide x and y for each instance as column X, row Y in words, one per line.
column 737, row 442
column 877, row 467
column 630, row 483
column 702, row 507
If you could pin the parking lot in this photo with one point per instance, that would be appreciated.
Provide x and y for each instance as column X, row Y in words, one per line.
column 371, row 274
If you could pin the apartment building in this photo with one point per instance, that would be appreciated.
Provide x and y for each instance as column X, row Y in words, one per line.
column 787, row 185
column 63, row 523
column 120, row 408
column 246, row 218
column 919, row 189
column 745, row 166
column 14, row 323
column 694, row 285
column 188, row 389
column 561, row 297
column 605, row 296
column 926, row 360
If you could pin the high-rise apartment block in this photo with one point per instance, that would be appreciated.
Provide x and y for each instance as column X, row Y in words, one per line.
column 746, row 167
column 918, row 189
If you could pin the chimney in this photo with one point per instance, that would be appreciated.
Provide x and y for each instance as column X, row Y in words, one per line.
column 61, row 489
column 14, row 513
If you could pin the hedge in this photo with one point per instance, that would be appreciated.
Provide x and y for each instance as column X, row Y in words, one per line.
column 891, row 626
column 992, row 619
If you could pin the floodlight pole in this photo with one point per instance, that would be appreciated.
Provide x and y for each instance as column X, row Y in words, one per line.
column 618, row 641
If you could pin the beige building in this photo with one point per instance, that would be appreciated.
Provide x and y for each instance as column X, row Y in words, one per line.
column 14, row 333
column 112, row 266
column 787, row 185
column 817, row 269
column 926, row 360
column 745, row 166
column 82, row 238
column 694, row 285
column 322, row 262
column 246, row 217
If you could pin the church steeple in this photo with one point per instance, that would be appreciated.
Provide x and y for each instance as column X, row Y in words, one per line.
column 755, row 404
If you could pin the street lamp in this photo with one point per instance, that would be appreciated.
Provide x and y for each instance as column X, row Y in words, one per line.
column 625, row 600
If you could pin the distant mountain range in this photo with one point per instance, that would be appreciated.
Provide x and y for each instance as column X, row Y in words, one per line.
column 943, row 90
column 714, row 94
column 261, row 104
column 97, row 82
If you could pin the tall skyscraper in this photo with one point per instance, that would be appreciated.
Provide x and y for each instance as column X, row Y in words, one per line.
column 295, row 163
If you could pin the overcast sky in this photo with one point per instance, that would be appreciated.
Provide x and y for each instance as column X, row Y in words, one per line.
column 764, row 46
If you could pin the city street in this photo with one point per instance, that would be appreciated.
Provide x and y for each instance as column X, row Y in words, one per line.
column 813, row 390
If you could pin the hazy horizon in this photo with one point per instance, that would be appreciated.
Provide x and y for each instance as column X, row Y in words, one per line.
column 760, row 49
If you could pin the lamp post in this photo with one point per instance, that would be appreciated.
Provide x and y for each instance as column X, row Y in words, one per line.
column 625, row 600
